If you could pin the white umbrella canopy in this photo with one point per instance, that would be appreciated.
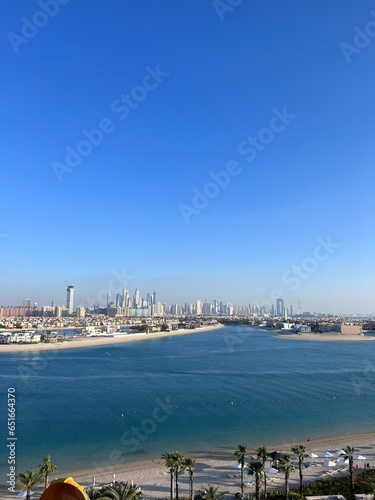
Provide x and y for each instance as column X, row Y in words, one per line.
column 271, row 470
column 359, row 457
column 327, row 454
column 237, row 466
column 344, row 460
column 313, row 455
column 340, row 452
column 329, row 463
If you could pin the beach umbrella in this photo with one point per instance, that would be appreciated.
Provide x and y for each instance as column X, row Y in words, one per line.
column 327, row 454
column 93, row 482
column 359, row 457
column 313, row 455
column 237, row 466
column 23, row 493
column 344, row 460
column 271, row 470
column 329, row 463
column 276, row 455
column 340, row 452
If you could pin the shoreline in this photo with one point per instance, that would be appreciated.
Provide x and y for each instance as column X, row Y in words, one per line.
column 219, row 468
column 100, row 341
column 325, row 337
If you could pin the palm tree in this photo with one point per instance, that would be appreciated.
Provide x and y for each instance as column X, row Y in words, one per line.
column 262, row 457
column 189, row 466
column 121, row 492
column 92, row 494
column 240, row 454
column 349, row 455
column 169, row 463
column 46, row 468
column 179, row 467
column 257, row 469
column 300, row 451
column 210, row 493
column 287, row 466
column 29, row 479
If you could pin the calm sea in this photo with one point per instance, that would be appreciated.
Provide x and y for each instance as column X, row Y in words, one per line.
column 212, row 391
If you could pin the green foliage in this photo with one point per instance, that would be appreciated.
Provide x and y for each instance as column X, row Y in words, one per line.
column 120, row 492
column 333, row 486
column 29, row 479
column 210, row 493
column 46, row 468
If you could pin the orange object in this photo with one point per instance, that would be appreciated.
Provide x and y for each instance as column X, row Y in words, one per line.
column 64, row 489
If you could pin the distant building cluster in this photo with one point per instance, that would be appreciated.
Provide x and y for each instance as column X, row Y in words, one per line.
column 126, row 305
column 20, row 337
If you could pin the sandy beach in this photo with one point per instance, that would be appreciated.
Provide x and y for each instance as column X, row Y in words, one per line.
column 101, row 340
column 220, row 468
column 327, row 337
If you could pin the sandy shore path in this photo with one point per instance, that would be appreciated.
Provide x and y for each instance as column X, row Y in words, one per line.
column 220, row 469
column 97, row 341
column 327, row 337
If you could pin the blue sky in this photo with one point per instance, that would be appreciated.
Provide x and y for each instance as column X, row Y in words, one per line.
column 176, row 88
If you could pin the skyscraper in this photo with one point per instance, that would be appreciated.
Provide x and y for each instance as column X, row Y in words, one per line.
column 70, row 299
column 136, row 299
column 280, row 307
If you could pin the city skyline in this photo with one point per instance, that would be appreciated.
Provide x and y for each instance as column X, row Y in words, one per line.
column 276, row 304
column 215, row 152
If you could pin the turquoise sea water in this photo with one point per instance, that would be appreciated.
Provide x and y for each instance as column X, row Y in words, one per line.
column 235, row 385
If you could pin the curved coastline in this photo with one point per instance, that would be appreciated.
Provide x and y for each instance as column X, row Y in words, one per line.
column 100, row 341
column 218, row 467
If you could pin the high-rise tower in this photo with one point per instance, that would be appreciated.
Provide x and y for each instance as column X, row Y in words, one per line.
column 280, row 307
column 70, row 299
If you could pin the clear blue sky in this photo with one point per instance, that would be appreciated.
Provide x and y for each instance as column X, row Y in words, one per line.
column 202, row 79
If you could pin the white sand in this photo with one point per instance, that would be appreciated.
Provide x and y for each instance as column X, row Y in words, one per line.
column 95, row 341
column 219, row 468
column 325, row 337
